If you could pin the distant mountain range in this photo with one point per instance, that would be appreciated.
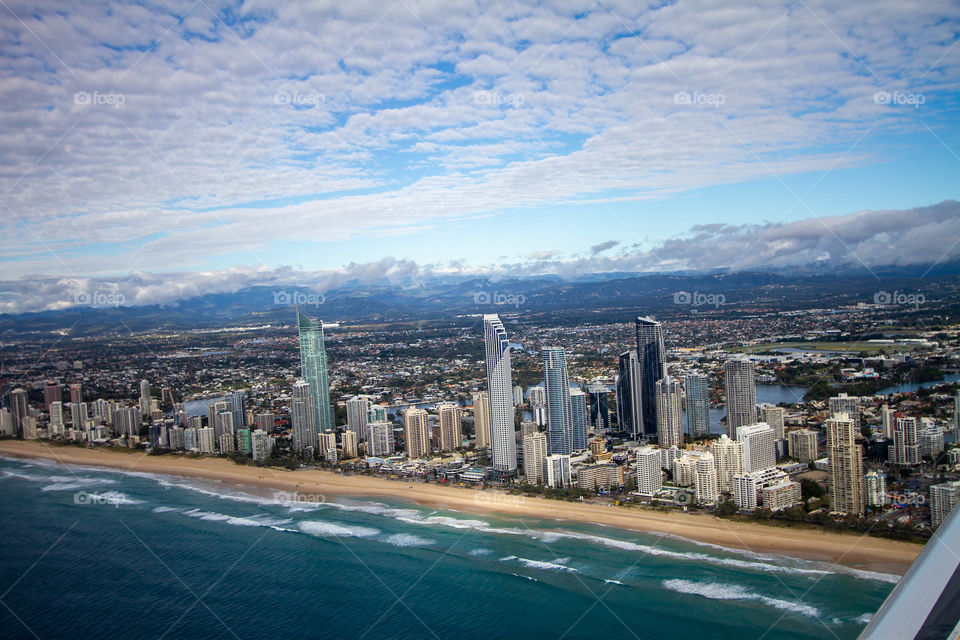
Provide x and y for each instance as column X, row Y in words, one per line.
column 593, row 297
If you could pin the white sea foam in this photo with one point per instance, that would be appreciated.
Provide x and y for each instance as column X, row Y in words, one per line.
column 164, row 509
column 480, row 552
column 557, row 565
column 525, row 577
column 613, row 582
column 407, row 540
column 239, row 521
column 721, row 591
column 323, row 529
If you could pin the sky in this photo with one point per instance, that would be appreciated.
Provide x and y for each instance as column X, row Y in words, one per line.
column 182, row 147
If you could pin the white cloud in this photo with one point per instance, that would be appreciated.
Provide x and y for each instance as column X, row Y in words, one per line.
column 349, row 117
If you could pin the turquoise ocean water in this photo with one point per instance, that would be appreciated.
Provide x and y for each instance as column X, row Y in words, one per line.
column 91, row 553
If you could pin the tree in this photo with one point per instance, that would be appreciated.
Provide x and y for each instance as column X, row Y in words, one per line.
column 811, row 489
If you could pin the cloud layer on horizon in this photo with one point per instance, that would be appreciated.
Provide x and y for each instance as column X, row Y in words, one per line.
column 865, row 239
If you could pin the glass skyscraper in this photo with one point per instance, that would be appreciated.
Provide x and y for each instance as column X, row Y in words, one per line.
column 559, row 407
column 698, row 404
column 629, row 411
column 650, row 357
column 313, row 363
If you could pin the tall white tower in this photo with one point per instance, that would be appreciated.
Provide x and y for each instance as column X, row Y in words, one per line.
column 503, row 443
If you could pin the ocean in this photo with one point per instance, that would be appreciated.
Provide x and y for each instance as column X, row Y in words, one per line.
column 92, row 553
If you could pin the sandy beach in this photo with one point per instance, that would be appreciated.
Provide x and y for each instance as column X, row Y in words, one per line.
column 861, row 552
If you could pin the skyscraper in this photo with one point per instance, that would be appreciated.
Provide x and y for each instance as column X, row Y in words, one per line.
column 380, row 439
column 759, row 451
column 19, row 409
column 842, row 403
column 535, row 457
column 650, row 358
column 559, row 408
column 238, row 407
column 773, row 416
column 728, row 458
column 649, row 475
column 906, row 442
column 52, row 393
column 887, row 420
column 580, row 418
column 313, row 365
column 943, row 500
column 451, row 433
column 741, row 391
column 803, row 445
column 481, row 419
column 358, row 413
column 145, row 398
column 629, row 410
column 303, row 418
column 846, row 466
column 76, row 393
column 705, row 480
column 669, row 412
column 956, row 417
column 698, row 404
column 416, row 433
column 599, row 412
column 500, row 393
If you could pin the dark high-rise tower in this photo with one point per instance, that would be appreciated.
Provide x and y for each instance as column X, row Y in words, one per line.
column 629, row 394
column 650, row 359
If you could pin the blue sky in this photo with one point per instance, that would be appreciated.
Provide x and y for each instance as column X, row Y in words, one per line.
column 235, row 142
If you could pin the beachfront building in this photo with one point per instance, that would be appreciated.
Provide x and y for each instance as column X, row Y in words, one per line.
column 596, row 477
column 781, row 495
column 206, row 441
column 535, row 457
column 358, row 416
column 258, row 444
column 728, row 459
column 559, row 405
column 451, row 432
column 705, row 483
column 302, row 416
column 348, row 444
column 558, row 471
column 748, row 487
column 759, row 450
column 313, row 365
column 481, row 419
column 503, row 443
column 875, row 484
column 380, row 439
column 416, row 433
column 649, row 474
column 846, row 466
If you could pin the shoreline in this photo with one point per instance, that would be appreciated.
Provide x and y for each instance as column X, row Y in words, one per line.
column 859, row 552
